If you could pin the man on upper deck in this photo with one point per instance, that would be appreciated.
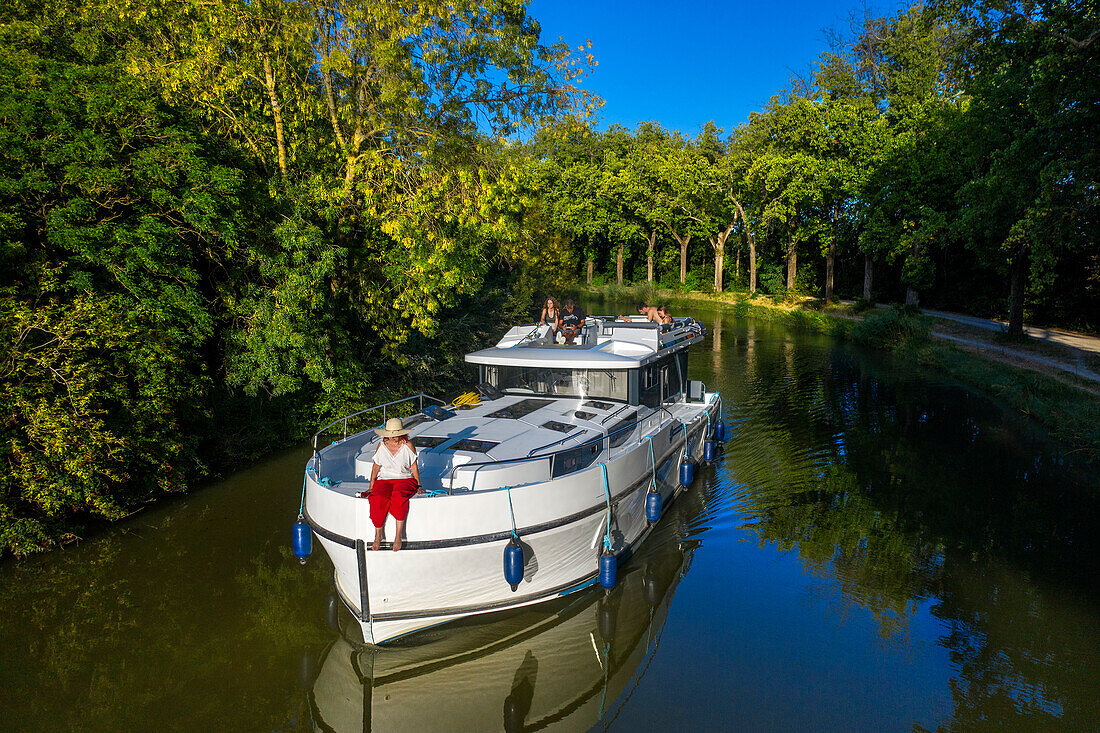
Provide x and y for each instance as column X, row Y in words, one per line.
column 571, row 321
column 649, row 311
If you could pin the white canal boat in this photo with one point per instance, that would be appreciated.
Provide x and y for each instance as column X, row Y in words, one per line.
column 538, row 491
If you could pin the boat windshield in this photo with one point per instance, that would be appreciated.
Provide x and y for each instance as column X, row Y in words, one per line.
column 584, row 383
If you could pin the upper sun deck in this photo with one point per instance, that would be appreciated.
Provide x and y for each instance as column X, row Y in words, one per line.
column 604, row 344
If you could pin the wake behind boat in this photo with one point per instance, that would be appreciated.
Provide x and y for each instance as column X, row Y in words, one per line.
column 555, row 475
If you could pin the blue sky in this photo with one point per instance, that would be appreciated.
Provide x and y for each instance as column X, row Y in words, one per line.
column 682, row 64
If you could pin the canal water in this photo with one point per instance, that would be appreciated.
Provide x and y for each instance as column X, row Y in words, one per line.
column 877, row 549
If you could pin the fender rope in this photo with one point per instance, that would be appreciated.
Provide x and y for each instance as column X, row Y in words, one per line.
column 512, row 511
column 653, row 465
column 302, row 506
column 683, row 452
column 607, row 492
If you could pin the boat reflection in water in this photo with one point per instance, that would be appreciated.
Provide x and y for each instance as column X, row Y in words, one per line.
column 561, row 665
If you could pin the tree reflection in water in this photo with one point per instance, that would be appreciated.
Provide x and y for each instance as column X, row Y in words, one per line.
column 904, row 489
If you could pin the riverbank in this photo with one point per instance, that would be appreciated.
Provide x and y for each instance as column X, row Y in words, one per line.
column 1056, row 384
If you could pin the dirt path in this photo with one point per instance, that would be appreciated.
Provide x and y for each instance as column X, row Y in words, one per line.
column 1022, row 357
column 1049, row 350
column 1049, row 335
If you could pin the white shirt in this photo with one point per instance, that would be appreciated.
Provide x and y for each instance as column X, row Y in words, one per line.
column 394, row 466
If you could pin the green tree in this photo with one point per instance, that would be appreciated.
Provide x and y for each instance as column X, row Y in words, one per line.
column 118, row 223
column 1031, row 208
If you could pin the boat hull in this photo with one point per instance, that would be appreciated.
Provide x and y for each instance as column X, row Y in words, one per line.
column 451, row 562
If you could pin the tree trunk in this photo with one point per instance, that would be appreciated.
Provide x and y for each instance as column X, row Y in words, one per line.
column 277, row 113
column 684, row 257
column 868, row 274
column 912, row 296
column 1017, row 287
column 752, row 247
column 649, row 255
column 752, row 264
column 792, row 262
column 719, row 244
column 590, row 266
column 830, row 263
column 737, row 264
column 619, row 265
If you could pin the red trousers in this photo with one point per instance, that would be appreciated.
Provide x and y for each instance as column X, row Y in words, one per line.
column 392, row 496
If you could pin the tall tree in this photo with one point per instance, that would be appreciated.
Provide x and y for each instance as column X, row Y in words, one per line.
column 1031, row 206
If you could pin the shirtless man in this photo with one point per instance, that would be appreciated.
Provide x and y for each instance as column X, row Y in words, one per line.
column 649, row 311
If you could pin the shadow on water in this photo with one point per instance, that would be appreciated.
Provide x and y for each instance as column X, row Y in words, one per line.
column 878, row 549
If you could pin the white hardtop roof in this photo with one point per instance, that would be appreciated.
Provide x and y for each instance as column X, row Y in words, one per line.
column 605, row 344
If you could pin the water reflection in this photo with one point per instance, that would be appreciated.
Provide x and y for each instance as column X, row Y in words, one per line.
column 909, row 492
column 571, row 664
column 879, row 549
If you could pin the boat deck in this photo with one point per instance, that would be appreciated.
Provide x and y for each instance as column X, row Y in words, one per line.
column 511, row 430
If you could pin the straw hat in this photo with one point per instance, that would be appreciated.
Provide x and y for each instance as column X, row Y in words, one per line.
column 393, row 428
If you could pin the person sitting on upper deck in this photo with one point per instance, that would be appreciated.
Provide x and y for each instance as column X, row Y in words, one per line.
column 551, row 313
column 649, row 311
column 394, row 479
column 664, row 318
column 571, row 321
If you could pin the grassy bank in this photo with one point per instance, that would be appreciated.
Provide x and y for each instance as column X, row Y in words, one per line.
column 1067, row 406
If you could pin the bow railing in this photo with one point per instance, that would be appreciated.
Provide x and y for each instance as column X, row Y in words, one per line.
column 384, row 407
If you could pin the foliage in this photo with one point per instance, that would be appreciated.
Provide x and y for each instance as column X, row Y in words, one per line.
column 223, row 222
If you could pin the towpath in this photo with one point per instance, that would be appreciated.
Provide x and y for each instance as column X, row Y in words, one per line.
column 1066, row 351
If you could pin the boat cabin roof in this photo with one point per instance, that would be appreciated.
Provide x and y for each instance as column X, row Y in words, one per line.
column 605, row 343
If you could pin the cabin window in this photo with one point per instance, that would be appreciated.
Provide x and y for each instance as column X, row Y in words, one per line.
column 659, row 382
column 429, row 441
column 575, row 459
column 610, row 384
column 474, row 446
column 558, row 426
column 621, row 431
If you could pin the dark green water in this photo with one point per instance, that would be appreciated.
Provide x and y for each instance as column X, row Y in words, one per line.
column 877, row 549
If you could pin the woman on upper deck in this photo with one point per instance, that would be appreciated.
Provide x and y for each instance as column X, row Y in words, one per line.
column 550, row 316
column 664, row 318
column 394, row 479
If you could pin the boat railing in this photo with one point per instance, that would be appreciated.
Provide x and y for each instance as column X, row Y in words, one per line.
column 384, row 407
column 573, row 453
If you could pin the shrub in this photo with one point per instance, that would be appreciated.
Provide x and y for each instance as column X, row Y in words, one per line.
column 647, row 292
column 862, row 305
column 769, row 277
column 894, row 330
